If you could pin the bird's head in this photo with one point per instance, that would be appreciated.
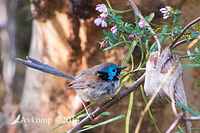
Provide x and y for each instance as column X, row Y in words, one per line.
column 110, row 71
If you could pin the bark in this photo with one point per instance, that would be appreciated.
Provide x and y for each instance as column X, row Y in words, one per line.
column 8, row 53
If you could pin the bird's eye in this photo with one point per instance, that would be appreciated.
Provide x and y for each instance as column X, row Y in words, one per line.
column 114, row 70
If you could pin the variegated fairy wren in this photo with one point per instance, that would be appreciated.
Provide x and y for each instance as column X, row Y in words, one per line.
column 98, row 83
column 95, row 84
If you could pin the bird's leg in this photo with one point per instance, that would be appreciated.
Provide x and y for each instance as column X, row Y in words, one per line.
column 91, row 116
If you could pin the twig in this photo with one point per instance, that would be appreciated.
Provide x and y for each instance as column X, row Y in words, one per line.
column 185, row 56
column 181, row 42
column 108, row 104
column 192, row 118
column 148, row 26
column 183, row 31
column 179, row 116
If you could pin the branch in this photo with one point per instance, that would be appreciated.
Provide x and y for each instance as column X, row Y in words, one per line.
column 108, row 104
column 180, row 115
column 148, row 26
column 181, row 42
column 183, row 31
column 192, row 118
column 185, row 56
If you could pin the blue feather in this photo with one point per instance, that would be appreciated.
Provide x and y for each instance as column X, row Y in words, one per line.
column 111, row 70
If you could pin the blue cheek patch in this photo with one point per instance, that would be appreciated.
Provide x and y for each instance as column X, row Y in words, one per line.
column 111, row 78
column 109, row 69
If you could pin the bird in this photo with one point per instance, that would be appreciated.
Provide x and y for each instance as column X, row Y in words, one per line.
column 98, row 83
column 95, row 84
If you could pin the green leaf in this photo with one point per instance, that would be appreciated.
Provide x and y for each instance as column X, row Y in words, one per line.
column 69, row 120
column 153, row 47
column 177, row 51
column 116, row 11
column 193, row 107
column 104, row 31
column 197, row 50
column 174, row 20
column 181, row 129
column 197, row 26
column 187, row 40
column 198, row 84
column 105, row 114
column 130, row 52
column 164, row 29
column 194, row 35
column 191, row 65
column 178, row 17
column 102, row 123
column 115, row 38
column 129, row 110
column 151, row 16
column 146, row 44
column 114, row 45
column 186, row 108
column 177, row 12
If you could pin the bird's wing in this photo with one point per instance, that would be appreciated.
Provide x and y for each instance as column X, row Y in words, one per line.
column 84, row 81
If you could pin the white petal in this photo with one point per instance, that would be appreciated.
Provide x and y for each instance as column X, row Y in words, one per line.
column 113, row 28
column 103, row 15
column 168, row 7
column 114, row 31
column 97, row 21
column 99, row 8
column 103, row 23
column 165, row 16
column 104, row 8
column 163, row 9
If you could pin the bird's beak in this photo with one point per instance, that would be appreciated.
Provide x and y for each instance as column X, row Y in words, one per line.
column 123, row 67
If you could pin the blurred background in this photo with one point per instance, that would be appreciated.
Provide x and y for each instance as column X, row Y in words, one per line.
column 62, row 34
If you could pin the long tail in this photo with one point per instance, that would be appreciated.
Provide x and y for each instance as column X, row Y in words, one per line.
column 33, row 63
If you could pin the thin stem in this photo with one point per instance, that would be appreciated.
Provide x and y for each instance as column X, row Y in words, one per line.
column 183, row 31
column 148, row 26
column 182, row 42
column 192, row 118
column 185, row 56
column 179, row 116
column 129, row 110
column 109, row 5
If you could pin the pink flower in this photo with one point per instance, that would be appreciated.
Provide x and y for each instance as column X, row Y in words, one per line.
column 102, row 9
column 100, row 21
column 114, row 30
column 142, row 23
column 102, row 44
column 166, row 11
column 132, row 36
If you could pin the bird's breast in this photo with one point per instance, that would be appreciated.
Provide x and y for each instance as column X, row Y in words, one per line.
column 101, row 92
